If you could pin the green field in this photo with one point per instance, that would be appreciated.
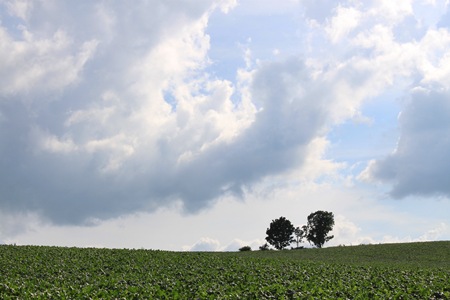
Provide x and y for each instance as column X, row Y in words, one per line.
column 389, row 271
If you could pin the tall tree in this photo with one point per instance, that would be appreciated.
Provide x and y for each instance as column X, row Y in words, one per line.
column 320, row 223
column 279, row 234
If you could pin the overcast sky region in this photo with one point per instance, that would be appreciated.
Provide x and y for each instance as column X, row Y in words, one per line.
column 191, row 125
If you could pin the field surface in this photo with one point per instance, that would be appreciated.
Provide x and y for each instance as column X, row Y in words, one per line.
column 389, row 271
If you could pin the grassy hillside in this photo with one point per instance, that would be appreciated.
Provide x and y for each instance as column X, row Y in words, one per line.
column 401, row 271
column 422, row 255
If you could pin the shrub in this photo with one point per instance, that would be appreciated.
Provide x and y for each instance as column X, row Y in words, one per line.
column 264, row 247
column 245, row 248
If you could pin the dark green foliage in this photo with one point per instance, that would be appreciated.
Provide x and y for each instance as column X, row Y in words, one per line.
column 264, row 247
column 245, row 248
column 279, row 234
column 319, row 224
column 397, row 271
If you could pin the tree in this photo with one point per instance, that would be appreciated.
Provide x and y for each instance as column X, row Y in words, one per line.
column 279, row 234
column 319, row 224
column 300, row 233
column 264, row 247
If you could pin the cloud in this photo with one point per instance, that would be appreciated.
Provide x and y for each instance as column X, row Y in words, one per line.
column 204, row 244
column 20, row 8
column 12, row 225
column 277, row 140
column 345, row 20
column 436, row 233
column 117, row 115
column 85, row 129
column 107, row 109
column 210, row 244
column 347, row 233
column 35, row 65
column 318, row 10
column 420, row 164
column 417, row 58
column 236, row 244
column 440, row 231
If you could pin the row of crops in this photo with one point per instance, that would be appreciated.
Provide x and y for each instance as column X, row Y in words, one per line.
column 30, row 272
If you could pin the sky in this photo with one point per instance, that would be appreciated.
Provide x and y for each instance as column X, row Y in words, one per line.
column 191, row 125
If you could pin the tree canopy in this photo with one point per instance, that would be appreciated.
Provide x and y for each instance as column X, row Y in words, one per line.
column 320, row 223
column 279, row 234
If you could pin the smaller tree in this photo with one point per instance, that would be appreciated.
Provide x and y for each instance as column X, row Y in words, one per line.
column 319, row 224
column 300, row 233
column 279, row 234
column 264, row 247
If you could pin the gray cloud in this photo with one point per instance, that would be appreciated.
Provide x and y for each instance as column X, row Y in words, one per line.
column 106, row 109
column 293, row 113
column 52, row 125
column 104, row 142
column 420, row 165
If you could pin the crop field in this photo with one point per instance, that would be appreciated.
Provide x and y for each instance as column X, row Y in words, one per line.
column 390, row 271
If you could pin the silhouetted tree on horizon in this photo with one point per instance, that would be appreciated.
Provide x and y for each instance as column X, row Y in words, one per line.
column 319, row 224
column 279, row 233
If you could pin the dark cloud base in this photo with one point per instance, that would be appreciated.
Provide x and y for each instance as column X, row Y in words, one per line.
column 70, row 188
column 421, row 163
